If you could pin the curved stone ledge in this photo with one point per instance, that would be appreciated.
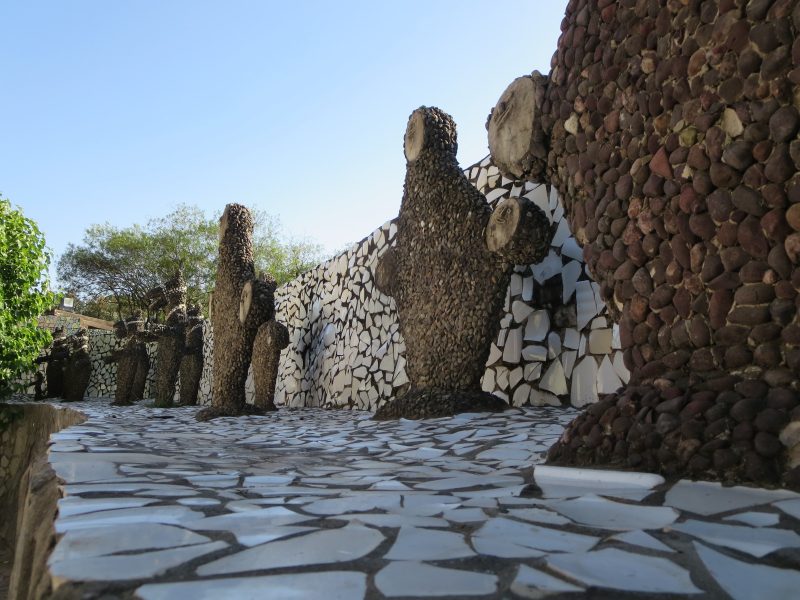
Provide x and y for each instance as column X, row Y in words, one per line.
column 29, row 492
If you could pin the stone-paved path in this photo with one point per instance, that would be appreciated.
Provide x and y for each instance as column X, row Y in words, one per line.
column 329, row 504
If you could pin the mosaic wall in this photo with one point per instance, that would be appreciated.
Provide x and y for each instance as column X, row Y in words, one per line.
column 556, row 345
column 103, row 381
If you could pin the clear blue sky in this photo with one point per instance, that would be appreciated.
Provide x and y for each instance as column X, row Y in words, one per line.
column 115, row 111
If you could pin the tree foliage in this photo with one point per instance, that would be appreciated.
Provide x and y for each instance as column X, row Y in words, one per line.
column 24, row 294
column 111, row 271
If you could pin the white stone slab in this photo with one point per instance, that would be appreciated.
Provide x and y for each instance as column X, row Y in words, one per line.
column 416, row 579
column 466, row 481
column 85, row 543
column 415, row 543
column 566, row 482
column 356, row 502
column 123, row 516
column 568, row 358
column 128, row 566
column 586, row 306
column 756, row 541
column 709, row 498
column 534, row 353
column 608, row 381
column 75, row 505
column 640, row 538
column 539, row 515
column 393, row 520
column 547, row 268
column 520, row 310
column 532, row 583
column 538, row 326
column 749, row 581
column 790, row 507
column 332, row 585
column 619, row 570
column 513, row 346
column 321, row 547
column 584, row 382
column 593, row 511
column 554, row 379
column 571, row 338
column 514, row 538
column 755, row 519
column 198, row 501
column 600, row 341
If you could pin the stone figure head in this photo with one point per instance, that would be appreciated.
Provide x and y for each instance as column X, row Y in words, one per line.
column 429, row 130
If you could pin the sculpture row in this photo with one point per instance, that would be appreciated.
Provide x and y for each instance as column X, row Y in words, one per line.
column 69, row 367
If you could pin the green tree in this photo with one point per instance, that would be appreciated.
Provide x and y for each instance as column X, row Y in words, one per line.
column 24, row 294
column 111, row 271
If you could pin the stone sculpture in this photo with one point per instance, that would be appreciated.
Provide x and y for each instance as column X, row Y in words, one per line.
column 671, row 131
column 192, row 361
column 132, row 361
column 56, row 359
column 272, row 337
column 38, row 386
column 170, row 335
column 241, row 304
column 78, row 368
column 449, row 272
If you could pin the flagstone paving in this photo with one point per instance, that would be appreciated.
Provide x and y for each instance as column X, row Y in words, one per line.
column 330, row 504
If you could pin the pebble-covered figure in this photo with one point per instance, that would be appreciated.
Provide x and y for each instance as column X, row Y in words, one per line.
column 192, row 361
column 78, row 368
column 449, row 273
column 272, row 337
column 670, row 129
column 129, row 361
column 172, row 298
column 56, row 359
column 241, row 303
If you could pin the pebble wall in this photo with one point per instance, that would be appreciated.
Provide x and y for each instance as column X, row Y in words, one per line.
column 556, row 345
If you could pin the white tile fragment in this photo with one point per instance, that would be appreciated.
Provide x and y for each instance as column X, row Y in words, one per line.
column 416, row 579
column 128, row 566
column 332, row 585
column 748, row 581
column 532, row 583
column 415, row 543
column 321, row 547
column 640, row 538
column 708, row 498
column 756, row 541
column 619, row 570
